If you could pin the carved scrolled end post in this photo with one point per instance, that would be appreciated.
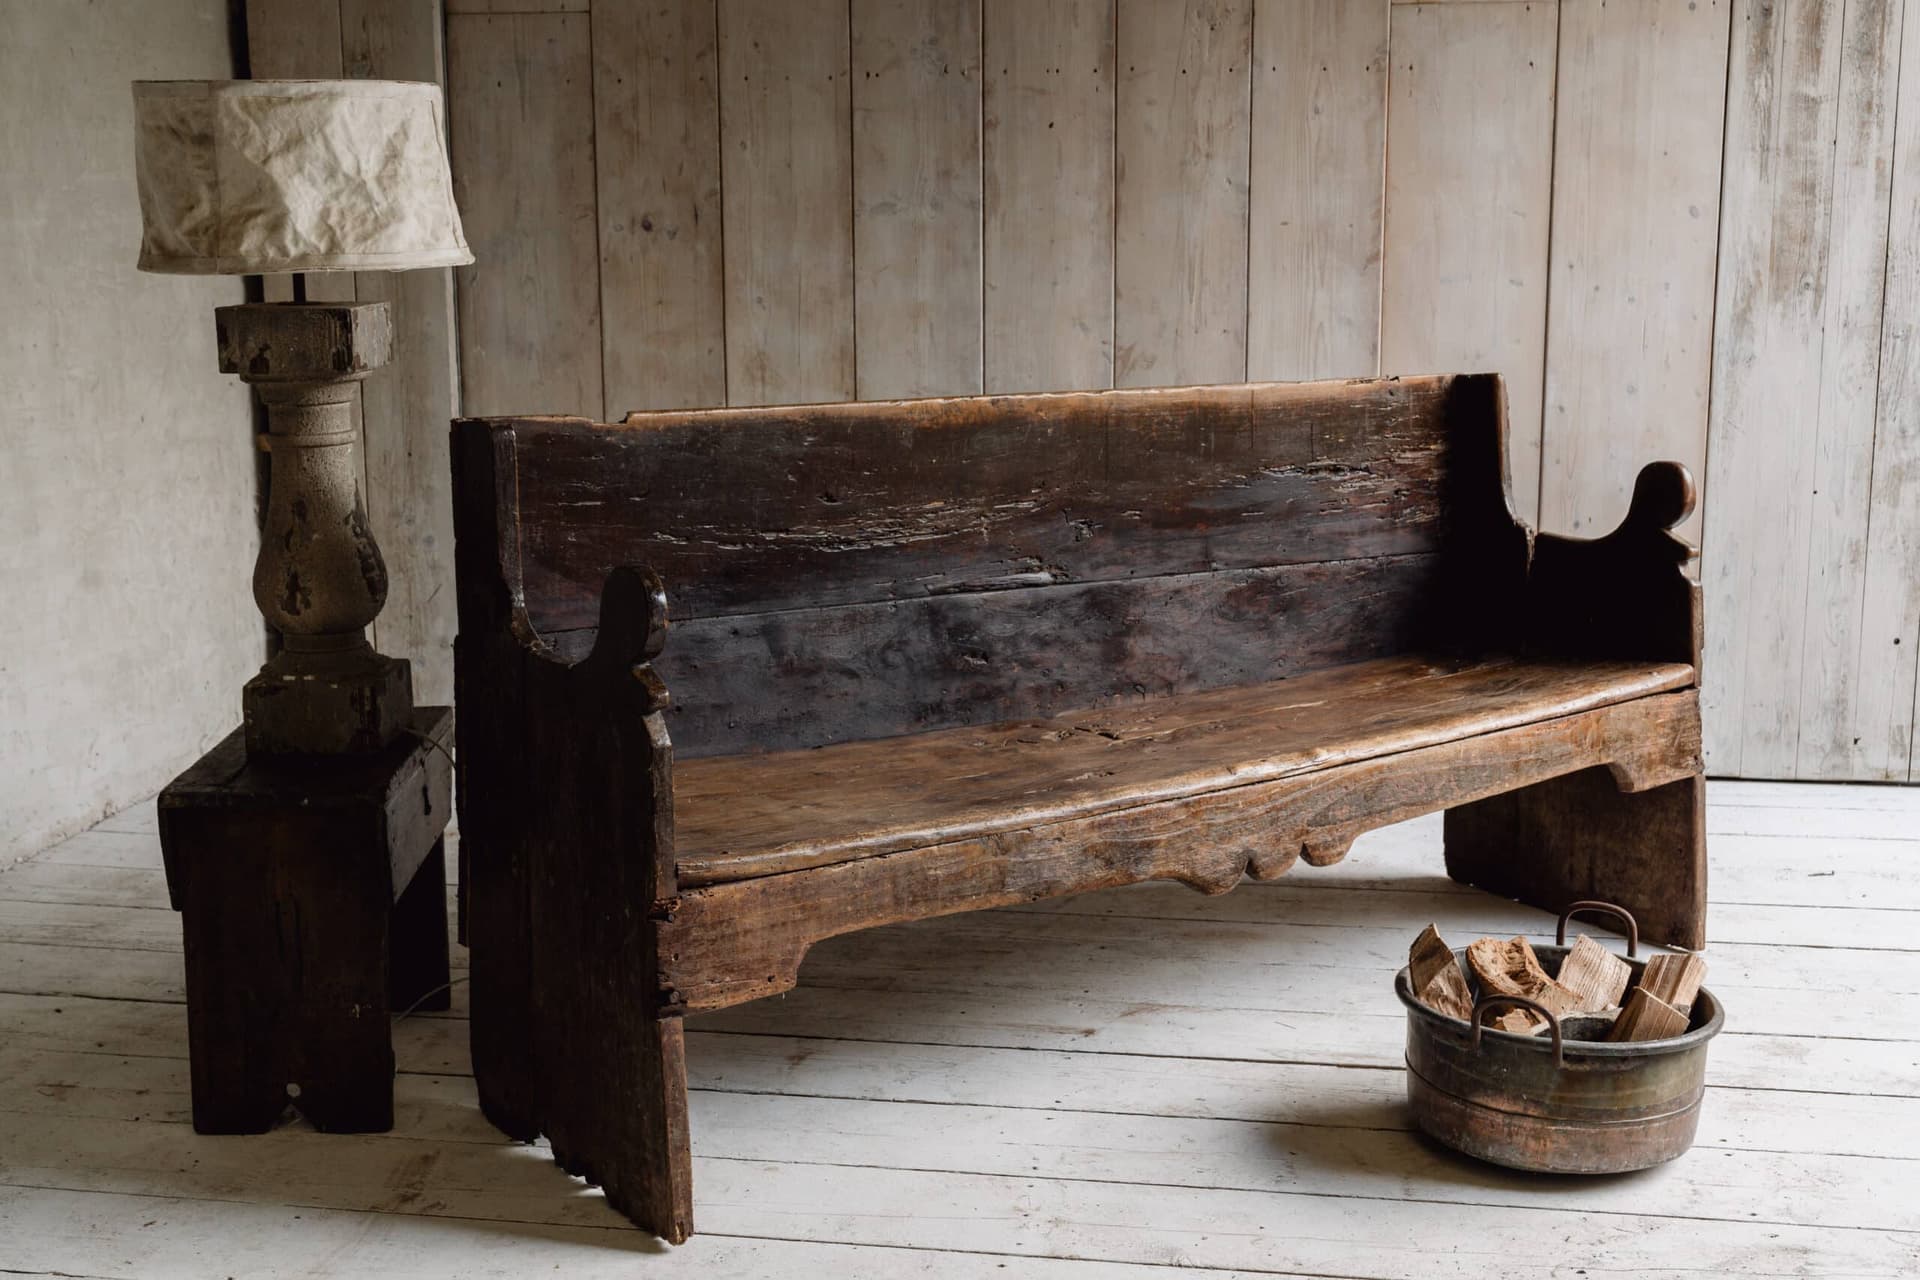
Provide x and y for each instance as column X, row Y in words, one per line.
column 319, row 580
column 633, row 1142
column 1611, row 833
column 1627, row 594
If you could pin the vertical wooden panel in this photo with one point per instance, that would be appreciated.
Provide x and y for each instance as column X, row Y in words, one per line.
column 1317, row 203
column 293, row 39
column 1803, row 257
column 787, row 189
column 1833, row 713
column 1888, row 694
column 408, row 404
column 1636, row 204
column 520, row 102
column 1469, row 191
column 1180, row 251
column 917, row 189
column 1048, row 154
column 657, row 152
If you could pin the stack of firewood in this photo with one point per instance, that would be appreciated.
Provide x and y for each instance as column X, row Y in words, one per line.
column 1590, row 995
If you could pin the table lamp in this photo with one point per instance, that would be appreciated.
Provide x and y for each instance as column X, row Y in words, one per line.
column 255, row 177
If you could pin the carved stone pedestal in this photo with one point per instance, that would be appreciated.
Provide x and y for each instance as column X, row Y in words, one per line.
column 326, row 701
column 319, row 579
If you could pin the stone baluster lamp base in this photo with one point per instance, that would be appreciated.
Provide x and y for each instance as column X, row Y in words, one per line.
column 319, row 579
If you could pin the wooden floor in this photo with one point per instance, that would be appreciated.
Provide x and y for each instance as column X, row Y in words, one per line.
column 1203, row 1083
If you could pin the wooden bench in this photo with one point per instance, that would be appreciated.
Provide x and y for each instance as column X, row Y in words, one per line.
column 944, row 655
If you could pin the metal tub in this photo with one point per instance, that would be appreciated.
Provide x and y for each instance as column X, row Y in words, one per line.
column 1541, row 1103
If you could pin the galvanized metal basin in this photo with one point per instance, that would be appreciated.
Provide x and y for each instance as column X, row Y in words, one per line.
column 1579, row 1107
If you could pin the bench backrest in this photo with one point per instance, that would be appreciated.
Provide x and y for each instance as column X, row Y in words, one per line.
column 863, row 570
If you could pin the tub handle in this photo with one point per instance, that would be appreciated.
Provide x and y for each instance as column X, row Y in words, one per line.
column 1486, row 1004
column 1603, row 909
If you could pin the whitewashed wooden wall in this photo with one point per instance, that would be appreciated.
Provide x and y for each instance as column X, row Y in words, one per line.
column 1812, row 567
column 699, row 202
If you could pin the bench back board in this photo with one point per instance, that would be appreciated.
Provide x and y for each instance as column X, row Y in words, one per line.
column 862, row 570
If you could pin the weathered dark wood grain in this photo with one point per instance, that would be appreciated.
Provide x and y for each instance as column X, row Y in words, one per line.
column 560, row 898
column 1478, row 607
column 808, row 677
column 936, row 656
column 856, row 571
column 612, row 1078
column 727, row 943
column 753, row 815
column 752, row 510
column 312, row 900
column 1569, row 838
column 498, row 813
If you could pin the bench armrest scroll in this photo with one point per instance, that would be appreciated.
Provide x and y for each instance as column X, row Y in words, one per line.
column 633, row 631
column 1628, row 594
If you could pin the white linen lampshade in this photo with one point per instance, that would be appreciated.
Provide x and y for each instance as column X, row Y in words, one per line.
column 254, row 177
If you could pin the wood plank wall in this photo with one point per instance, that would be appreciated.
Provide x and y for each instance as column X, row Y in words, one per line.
column 695, row 202
column 1814, row 537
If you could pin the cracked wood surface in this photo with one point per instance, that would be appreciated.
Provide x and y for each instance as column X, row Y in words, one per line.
column 751, row 510
column 727, row 943
column 842, row 572
column 743, row 816
column 806, row 678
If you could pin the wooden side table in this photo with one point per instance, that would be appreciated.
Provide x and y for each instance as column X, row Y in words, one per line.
column 312, row 894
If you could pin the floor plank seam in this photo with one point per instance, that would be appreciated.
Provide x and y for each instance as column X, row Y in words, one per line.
column 1504, row 1206
column 292, row 1122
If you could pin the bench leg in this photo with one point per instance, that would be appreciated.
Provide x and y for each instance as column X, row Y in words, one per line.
column 1580, row 836
column 568, row 1040
column 621, row 1122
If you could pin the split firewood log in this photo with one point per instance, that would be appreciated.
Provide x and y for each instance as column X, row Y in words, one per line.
column 1648, row 1017
column 1661, row 1004
column 1674, row 978
column 1597, row 977
column 1511, row 969
column 1437, row 980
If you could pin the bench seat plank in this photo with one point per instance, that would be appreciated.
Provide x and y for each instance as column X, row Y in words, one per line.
column 722, row 944
column 740, row 817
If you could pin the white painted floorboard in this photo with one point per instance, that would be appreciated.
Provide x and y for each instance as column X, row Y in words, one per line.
column 1099, row 1088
